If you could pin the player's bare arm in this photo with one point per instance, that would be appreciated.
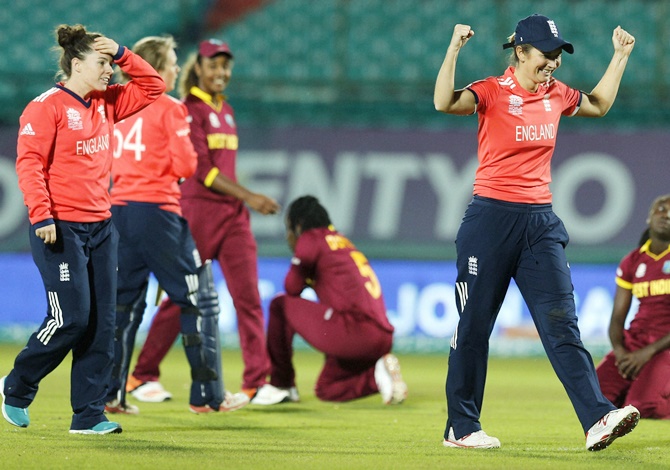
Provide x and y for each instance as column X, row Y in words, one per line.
column 258, row 202
column 600, row 100
column 445, row 98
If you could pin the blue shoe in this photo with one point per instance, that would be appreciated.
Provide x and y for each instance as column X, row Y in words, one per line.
column 14, row 415
column 105, row 427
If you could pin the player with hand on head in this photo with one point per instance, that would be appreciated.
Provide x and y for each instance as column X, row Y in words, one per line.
column 637, row 370
column 63, row 163
column 510, row 231
column 215, row 205
column 153, row 152
column 348, row 324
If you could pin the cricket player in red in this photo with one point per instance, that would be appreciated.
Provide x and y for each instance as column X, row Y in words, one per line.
column 637, row 370
column 510, row 231
column 64, row 159
column 215, row 205
column 348, row 323
column 153, row 152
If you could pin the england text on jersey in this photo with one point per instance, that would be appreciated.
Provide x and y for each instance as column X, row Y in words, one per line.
column 94, row 145
column 534, row 132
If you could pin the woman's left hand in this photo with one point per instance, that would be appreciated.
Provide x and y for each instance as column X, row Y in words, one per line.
column 622, row 40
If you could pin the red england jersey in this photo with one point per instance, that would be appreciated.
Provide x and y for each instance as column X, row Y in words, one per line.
column 214, row 137
column 647, row 276
column 64, row 158
column 152, row 151
column 517, row 136
column 339, row 274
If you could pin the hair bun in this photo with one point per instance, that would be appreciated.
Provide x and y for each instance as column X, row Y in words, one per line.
column 69, row 35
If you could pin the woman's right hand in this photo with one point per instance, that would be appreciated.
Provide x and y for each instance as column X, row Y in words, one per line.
column 105, row 45
column 47, row 233
column 462, row 33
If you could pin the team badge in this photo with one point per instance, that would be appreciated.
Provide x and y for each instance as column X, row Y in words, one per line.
column 229, row 120
column 214, row 120
column 666, row 267
column 472, row 265
column 642, row 270
column 74, row 120
column 101, row 110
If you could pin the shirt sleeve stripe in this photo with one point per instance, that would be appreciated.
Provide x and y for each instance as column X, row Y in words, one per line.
column 211, row 176
column 624, row 284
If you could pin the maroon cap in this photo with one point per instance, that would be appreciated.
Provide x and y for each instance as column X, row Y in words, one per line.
column 212, row 47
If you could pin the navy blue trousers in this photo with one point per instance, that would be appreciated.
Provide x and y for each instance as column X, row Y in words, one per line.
column 79, row 275
column 159, row 242
column 498, row 241
column 152, row 240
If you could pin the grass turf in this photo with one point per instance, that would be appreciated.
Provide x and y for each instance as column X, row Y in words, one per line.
column 525, row 407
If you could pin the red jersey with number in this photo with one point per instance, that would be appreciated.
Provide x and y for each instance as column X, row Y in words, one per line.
column 64, row 153
column 647, row 276
column 214, row 137
column 517, row 136
column 152, row 152
column 341, row 276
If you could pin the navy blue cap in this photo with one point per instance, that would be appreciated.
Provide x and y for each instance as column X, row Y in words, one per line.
column 541, row 33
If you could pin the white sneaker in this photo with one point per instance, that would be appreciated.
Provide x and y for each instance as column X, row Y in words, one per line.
column 151, row 392
column 475, row 440
column 269, row 395
column 234, row 401
column 116, row 407
column 391, row 386
column 614, row 424
column 293, row 395
column 231, row 402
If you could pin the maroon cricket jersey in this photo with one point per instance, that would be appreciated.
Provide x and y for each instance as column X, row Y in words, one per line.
column 647, row 276
column 340, row 275
column 214, row 137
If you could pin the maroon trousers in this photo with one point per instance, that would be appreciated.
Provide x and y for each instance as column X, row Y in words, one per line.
column 649, row 392
column 222, row 232
column 352, row 345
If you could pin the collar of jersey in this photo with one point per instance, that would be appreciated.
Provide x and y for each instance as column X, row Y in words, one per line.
column 86, row 103
column 645, row 249
column 215, row 101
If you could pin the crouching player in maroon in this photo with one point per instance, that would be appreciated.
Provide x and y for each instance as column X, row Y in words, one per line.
column 348, row 324
column 637, row 370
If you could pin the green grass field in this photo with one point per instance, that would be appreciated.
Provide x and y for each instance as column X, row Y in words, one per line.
column 525, row 407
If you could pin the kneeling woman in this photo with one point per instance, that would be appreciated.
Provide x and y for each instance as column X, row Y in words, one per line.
column 348, row 324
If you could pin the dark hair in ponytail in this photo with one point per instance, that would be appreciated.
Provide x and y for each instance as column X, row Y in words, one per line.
column 75, row 41
column 307, row 212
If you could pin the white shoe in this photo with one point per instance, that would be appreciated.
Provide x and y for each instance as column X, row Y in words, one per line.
column 234, row 401
column 270, row 395
column 116, row 407
column 151, row 392
column 475, row 440
column 231, row 402
column 391, row 386
column 614, row 424
column 293, row 395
